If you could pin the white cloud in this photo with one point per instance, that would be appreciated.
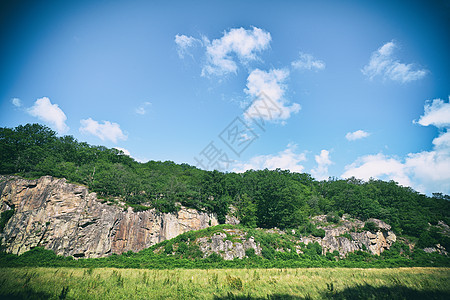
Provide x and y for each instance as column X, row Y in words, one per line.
column 437, row 113
column 383, row 63
column 128, row 153
column 323, row 161
column 184, row 43
column 308, row 62
column 285, row 160
column 16, row 102
column 245, row 44
column 377, row 166
column 141, row 160
column 106, row 131
column 426, row 171
column 267, row 88
column 430, row 170
column 125, row 151
column 142, row 109
column 442, row 141
column 358, row 134
column 49, row 113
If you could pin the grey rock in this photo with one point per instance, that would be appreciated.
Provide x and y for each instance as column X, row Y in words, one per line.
column 226, row 248
column 380, row 224
column 67, row 219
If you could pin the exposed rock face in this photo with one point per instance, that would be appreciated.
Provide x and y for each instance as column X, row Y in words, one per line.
column 69, row 220
column 438, row 248
column 231, row 217
column 336, row 237
column 228, row 249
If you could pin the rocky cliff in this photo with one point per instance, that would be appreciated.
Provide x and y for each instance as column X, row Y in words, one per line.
column 348, row 236
column 67, row 219
column 344, row 236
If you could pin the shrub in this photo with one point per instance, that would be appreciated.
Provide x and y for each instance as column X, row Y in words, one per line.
column 313, row 249
column 318, row 232
column 250, row 252
column 333, row 256
column 139, row 207
column 310, row 229
column 286, row 255
column 268, row 252
column 182, row 248
column 168, row 249
column 370, row 226
column 194, row 251
column 332, row 218
column 214, row 257
column 4, row 218
column 347, row 236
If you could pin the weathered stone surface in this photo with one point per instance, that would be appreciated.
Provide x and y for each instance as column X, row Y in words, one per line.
column 228, row 249
column 438, row 248
column 444, row 228
column 376, row 242
column 380, row 224
column 231, row 217
column 66, row 218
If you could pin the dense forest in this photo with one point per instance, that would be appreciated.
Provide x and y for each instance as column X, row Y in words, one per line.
column 265, row 198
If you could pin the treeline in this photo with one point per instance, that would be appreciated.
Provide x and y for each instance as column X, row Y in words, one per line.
column 263, row 198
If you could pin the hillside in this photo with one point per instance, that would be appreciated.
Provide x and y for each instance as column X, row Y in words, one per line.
column 261, row 199
column 71, row 222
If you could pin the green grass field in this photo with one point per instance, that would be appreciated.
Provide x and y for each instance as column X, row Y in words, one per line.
column 320, row 283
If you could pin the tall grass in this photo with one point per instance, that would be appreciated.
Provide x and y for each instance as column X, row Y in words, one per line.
column 108, row 283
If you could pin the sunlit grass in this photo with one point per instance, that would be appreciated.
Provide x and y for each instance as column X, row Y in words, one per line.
column 108, row 283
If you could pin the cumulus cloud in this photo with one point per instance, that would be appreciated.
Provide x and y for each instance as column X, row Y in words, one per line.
column 430, row 170
column 49, row 113
column 142, row 109
column 426, row 171
column 383, row 63
column 442, row 141
column 323, row 162
column 16, row 102
column 125, row 151
column 106, row 131
column 128, row 153
column 268, row 89
column 242, row 43
column 308, row 62
column 287, row 159
column 356, row 135
column 437, row 113
column 184, row 43
column 377, row 166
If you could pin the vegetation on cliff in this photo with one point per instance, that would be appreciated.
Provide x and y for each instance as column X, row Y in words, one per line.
column 184, row 251
column 265, row 199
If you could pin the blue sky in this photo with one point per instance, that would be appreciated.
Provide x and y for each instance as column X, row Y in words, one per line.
column 331, row 88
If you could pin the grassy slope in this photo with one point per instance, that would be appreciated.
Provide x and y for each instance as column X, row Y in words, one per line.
column 108, row 283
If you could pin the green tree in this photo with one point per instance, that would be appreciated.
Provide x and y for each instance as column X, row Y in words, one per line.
column 247, row 211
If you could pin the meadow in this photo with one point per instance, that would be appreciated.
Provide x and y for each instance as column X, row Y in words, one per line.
column 312, row 283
